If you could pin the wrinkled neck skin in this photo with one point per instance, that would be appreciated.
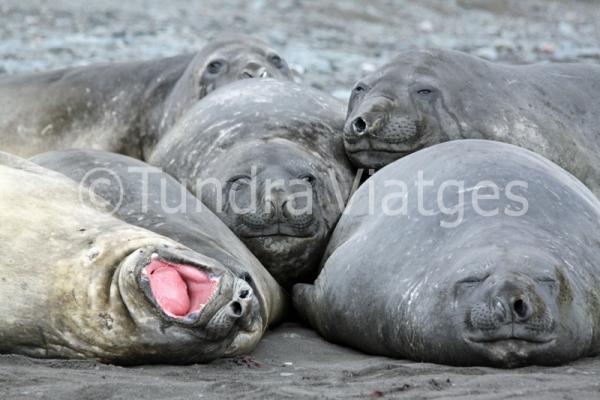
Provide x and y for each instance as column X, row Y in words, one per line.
column 460, row 312
column 109, row 317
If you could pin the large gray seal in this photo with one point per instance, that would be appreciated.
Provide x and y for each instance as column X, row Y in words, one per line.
column 76, row 282
column 469, row 252
column 426, row 97
column 267, row 157
column 122, row 107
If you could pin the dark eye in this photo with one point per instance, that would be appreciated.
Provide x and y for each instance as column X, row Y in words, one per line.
column 246, row 276
column 359, row 89
column 277, row 61
column 239, row 182
column 308, row 178
column 214, row 67
column 424, row 92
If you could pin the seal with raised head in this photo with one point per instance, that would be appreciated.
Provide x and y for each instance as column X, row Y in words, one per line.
column 122, row 107
column 267, row 157
column 430, row 96
column 469, row 252
column 76, row 282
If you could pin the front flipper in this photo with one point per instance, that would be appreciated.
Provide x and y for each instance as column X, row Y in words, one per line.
column 303, row 297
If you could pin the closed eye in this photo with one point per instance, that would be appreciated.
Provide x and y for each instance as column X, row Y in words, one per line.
column 237, row 182
column 547, row 281
column 472, row 280
column 308, row 178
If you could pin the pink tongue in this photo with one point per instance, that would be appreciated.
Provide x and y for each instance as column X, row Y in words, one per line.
column 179, row 289
column 170, row 291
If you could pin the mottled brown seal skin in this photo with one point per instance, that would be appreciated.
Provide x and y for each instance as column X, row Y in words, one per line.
column 426, row 97
column 122, row 107
column 260, row 132
column 515, row 282
column 75, row 282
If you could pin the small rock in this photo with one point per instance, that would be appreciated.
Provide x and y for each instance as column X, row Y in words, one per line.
column 488, row 53
column 368, row 67
column 425, row 26
column 547, row 47
column 566, row 28
column 503, row 44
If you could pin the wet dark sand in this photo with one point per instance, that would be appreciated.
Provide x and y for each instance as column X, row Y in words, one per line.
column 293, row 362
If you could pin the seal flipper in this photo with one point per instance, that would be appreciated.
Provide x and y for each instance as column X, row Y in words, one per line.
column 303, row 298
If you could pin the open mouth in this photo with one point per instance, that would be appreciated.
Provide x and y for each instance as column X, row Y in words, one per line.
column 180, row 290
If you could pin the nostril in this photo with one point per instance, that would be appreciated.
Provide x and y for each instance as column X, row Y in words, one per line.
column 244, row 293
column 247, row 74
column 236, row 308
column 520, row 308
column 359, row 125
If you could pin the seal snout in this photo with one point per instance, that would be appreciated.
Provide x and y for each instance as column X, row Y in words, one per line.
column 377, row 133
column 282, row 212
column 241, row 311
column 510, row 308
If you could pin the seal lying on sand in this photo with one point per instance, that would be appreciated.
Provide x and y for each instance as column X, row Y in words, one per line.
column 76, row 282
column 122, row 107
column 426, row 97
column 477, row 275
column 267, row 157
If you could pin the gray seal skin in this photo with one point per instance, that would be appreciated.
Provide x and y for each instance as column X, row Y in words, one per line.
column 504, row 290
column 122, row 107
column 426, row 97
column 256, row 132
column 77, row 282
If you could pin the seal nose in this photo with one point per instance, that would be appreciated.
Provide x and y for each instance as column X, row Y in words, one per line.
column 242, row 298
column 254, row 70
column 512, row 302
column 285, row 206
column 359, row 126
column 521, row 309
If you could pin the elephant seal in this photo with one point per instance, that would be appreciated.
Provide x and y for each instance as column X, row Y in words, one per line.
column 426, row 97
column 267, row 157
column 122, row 107
column 469, row 252
column 76, row 282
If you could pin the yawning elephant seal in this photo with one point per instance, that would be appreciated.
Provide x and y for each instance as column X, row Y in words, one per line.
column 76, row 282
column 122, row 107
column 426, row 97
column 469, row 252
column 267, row 157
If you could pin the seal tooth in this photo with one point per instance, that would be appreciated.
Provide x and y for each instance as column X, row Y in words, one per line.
column 154, row 256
